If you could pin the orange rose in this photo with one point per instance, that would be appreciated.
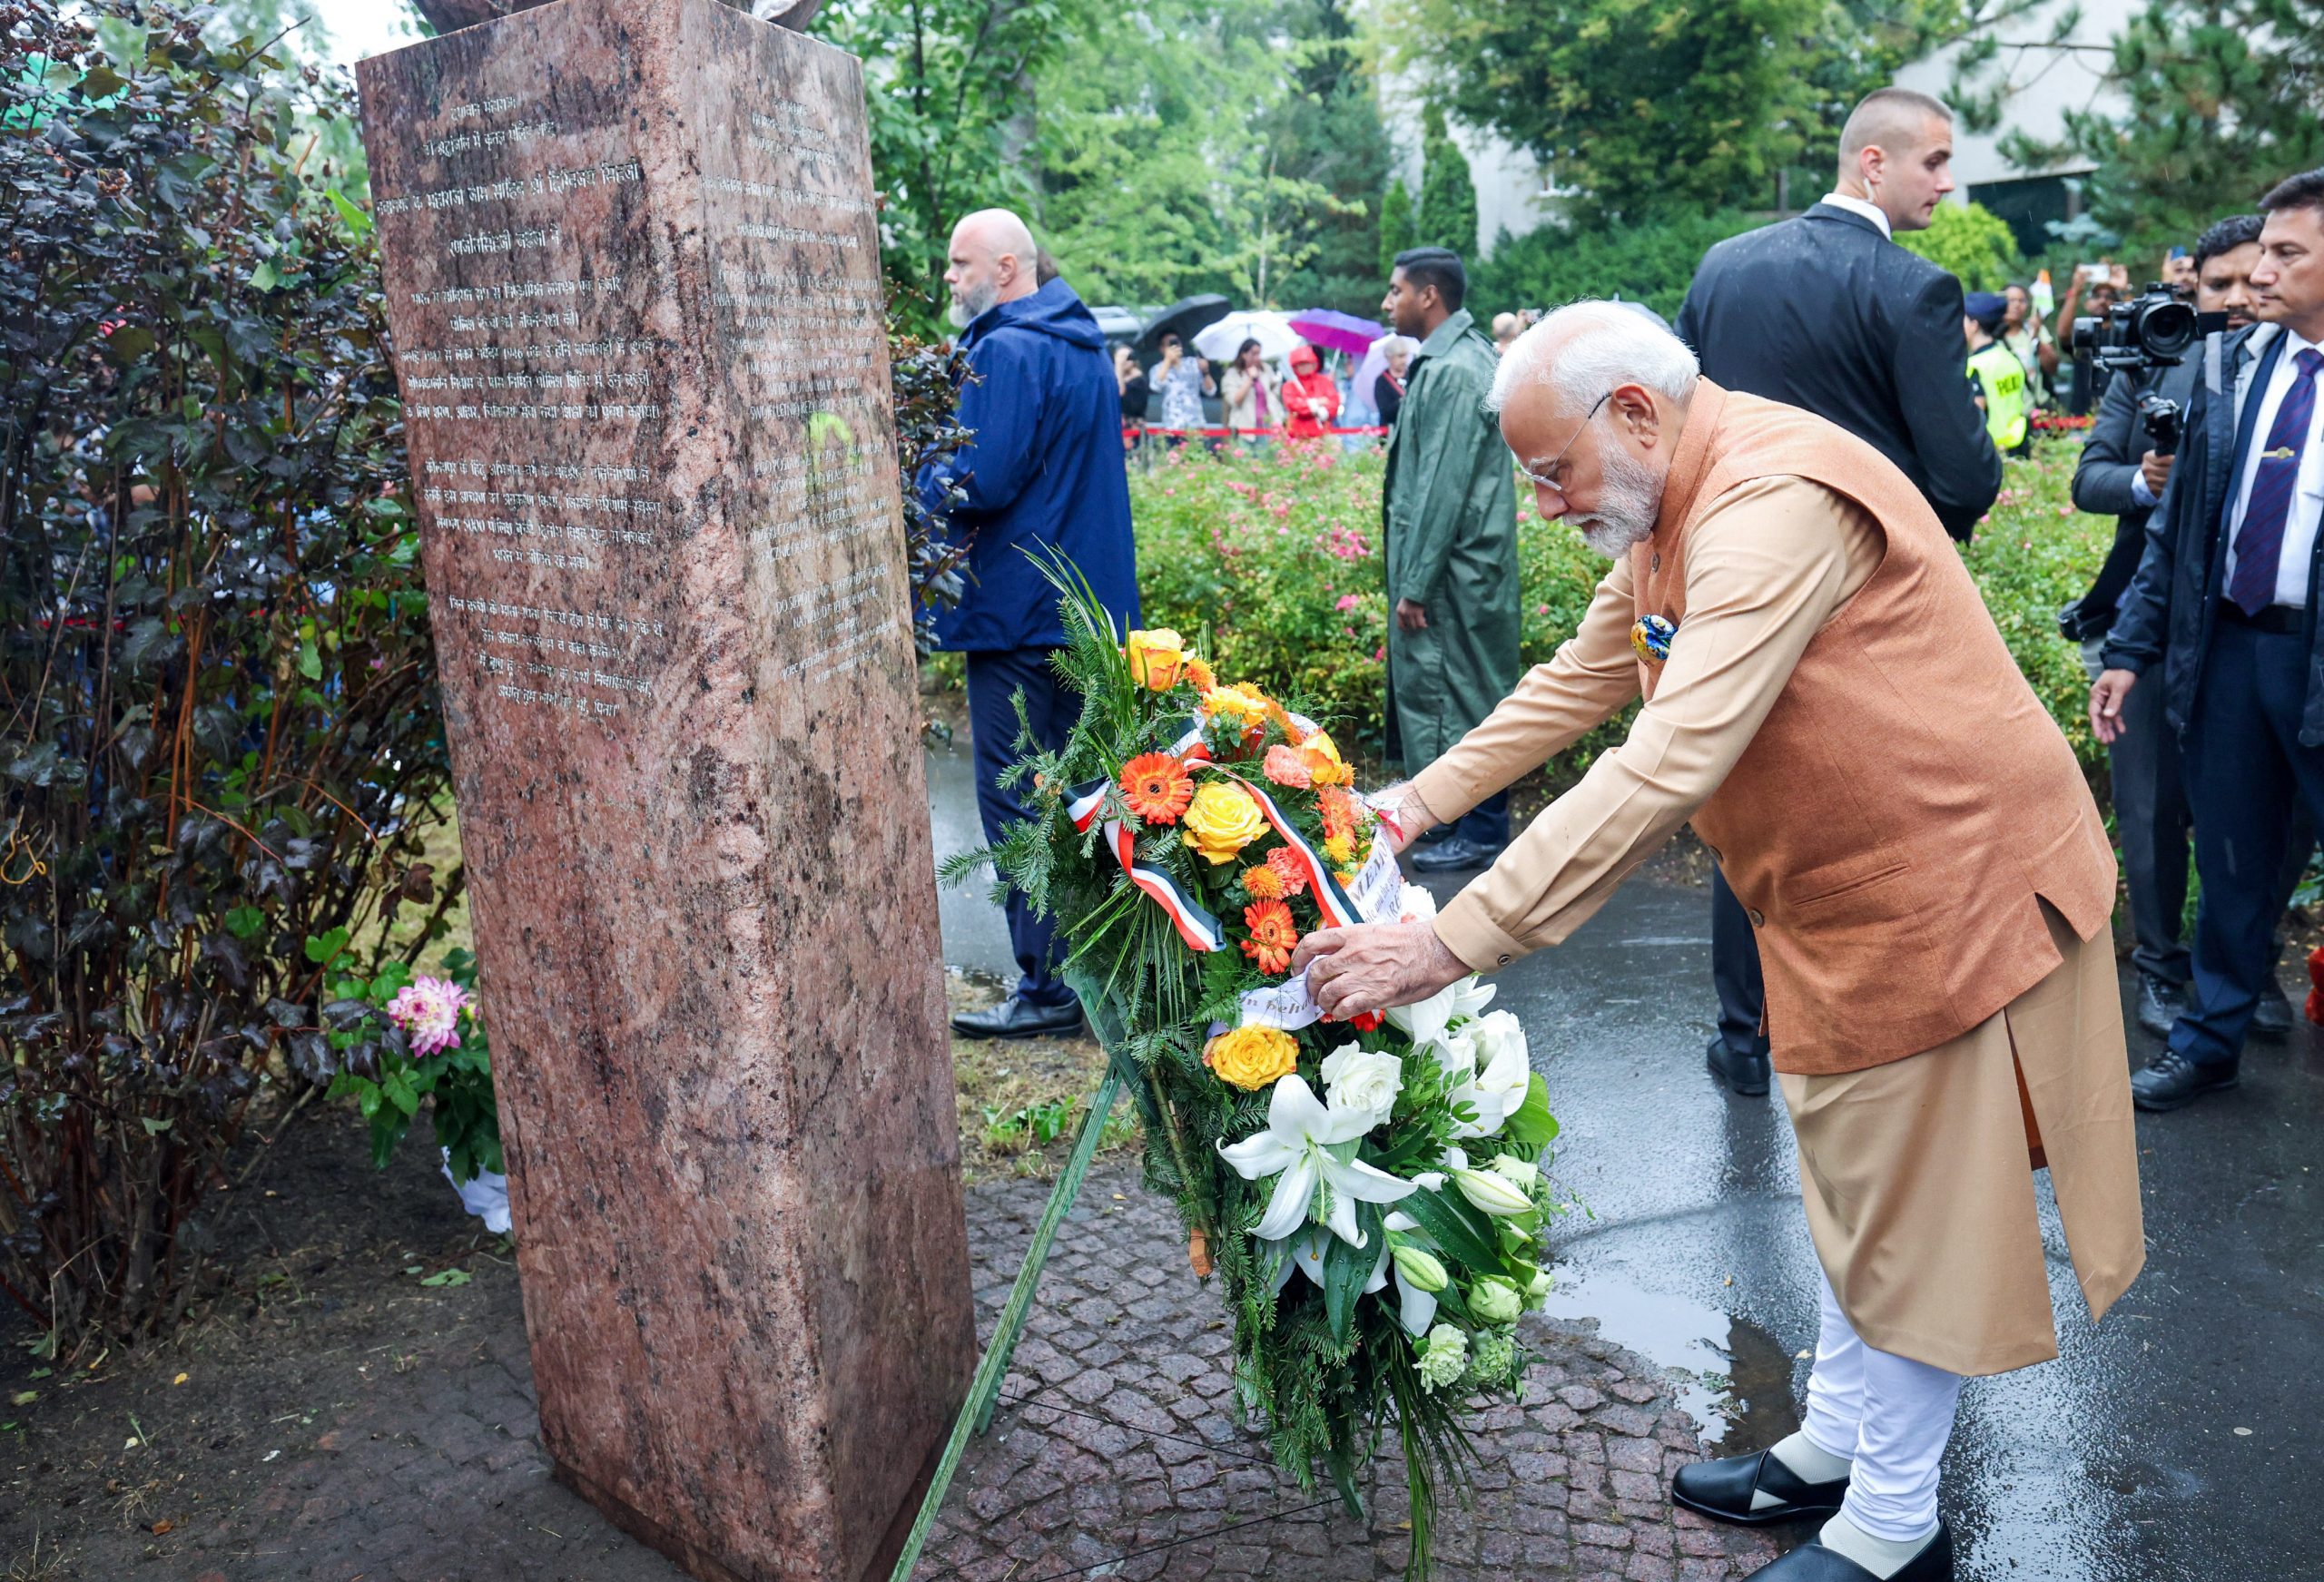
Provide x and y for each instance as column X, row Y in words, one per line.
column 1156, row 658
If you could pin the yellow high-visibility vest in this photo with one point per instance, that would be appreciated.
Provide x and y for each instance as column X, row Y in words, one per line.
column 2000, row 378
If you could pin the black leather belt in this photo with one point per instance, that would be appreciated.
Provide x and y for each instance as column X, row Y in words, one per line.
column 2280, row 619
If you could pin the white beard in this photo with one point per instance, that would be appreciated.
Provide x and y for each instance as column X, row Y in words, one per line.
column 1628, row 501
column 974, row 306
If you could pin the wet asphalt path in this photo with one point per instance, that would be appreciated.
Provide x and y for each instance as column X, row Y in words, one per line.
column 2179, row 1442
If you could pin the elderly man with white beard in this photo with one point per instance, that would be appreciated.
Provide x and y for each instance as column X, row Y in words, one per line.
column 1828, row 702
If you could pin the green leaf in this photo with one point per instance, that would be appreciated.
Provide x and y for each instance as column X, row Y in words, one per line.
column 1451, row 1222
column 351, row 213
column 154, row 1128
column 1532, row 1126
column 322, row 947
column 449, row 1277
column 398, row 1087
column 263, row 278
column 244, row 921
column 1347, row 1269
column 101, row 82
column 310, row 662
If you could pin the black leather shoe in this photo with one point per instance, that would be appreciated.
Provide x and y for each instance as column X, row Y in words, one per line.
column 1744, row 1071
column 1454, row 854
column 1018, row 1017
column 2172, row 1080
column 1814, row 1562
column 1724, row 1490
column 2273, row 1018
column 2161, row 1002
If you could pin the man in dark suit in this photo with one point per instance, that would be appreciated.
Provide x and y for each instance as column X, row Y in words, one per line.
column 2224, row 602
column 1825, row 311
column 2121, row 475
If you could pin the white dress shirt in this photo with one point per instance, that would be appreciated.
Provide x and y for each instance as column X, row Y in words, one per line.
column 2308, row 491
column 1872, row 211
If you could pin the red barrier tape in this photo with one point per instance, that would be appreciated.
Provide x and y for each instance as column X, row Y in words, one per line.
column 1132, row 430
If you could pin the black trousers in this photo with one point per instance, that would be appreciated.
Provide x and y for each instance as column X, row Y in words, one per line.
column 1735, row 971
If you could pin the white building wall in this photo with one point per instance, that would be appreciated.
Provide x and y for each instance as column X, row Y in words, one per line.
column 2041, row 82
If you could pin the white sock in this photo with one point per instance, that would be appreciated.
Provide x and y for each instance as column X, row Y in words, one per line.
column 1883, row 1557
column 1810, row 1461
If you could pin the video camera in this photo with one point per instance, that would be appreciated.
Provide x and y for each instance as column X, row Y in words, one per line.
column 2153, row 331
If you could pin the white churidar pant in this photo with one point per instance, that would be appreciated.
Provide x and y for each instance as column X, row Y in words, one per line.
column 1890, row 1416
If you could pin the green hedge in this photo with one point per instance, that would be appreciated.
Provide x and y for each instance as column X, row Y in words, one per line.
column 1278, row 558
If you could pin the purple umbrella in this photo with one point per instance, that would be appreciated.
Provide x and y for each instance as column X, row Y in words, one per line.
column 1338, row 331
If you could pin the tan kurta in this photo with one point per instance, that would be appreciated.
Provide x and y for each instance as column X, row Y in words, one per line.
column 1915, row 1171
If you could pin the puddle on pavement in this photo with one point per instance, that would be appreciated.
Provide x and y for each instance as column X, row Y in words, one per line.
column 1733, row 1378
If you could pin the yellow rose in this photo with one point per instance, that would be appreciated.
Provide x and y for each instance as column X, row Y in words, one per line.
column 1222, row 820
column 1156, row 658
column 1252, row 1057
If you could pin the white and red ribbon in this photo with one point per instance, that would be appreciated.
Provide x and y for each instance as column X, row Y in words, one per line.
column 1201, row 930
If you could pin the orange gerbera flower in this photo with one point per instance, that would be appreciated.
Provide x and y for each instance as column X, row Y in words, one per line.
column 1263, row 882
column 1273, row 935
column 1289, row 872
column 1157, row 787
column 1285, row 766
column 1338, row 809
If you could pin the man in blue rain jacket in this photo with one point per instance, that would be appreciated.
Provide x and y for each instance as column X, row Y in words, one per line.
column 1043, row 472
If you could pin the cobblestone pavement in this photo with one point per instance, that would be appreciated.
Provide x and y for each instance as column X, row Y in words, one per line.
column 1117, row 1436
column 420, row 1460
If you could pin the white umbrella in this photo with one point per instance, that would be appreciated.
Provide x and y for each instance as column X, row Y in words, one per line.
column 1272, row 330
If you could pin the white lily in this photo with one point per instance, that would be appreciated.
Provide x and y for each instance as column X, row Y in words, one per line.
column 1471, row 995
column 1415, row 1308
column 1498, row 1091
column 1294, row 1148
column 1425, row 1020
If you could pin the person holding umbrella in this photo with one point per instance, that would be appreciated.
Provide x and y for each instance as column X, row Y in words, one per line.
column 1311, row 398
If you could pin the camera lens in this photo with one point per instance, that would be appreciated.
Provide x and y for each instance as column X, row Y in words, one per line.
column 2166, row 328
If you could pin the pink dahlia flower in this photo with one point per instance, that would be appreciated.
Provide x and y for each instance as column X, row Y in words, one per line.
column 428, row 1009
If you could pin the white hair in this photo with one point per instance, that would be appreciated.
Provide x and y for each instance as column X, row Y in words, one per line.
column 1584, row 349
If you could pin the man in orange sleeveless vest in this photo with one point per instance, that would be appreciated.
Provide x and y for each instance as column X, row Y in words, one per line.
column 1827, row 701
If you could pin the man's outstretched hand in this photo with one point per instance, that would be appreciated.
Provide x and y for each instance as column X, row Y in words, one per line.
column 1374, row 966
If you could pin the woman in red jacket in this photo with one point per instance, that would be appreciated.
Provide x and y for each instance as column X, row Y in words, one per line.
column 1311, row 400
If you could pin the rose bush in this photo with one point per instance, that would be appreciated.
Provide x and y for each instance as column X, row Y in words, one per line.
column 1278, row 557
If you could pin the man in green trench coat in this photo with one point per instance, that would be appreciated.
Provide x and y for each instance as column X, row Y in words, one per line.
column 1448, row 511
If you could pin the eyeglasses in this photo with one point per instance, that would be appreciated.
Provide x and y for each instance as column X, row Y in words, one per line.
column 1548, row 478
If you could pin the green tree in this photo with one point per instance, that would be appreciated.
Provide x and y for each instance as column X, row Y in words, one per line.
column 1971, row 241
column 1652, row 262
column 951, row 97
column 1448, row 194
column 2220, row 99
column 1642, row 109
column 1326, row 128
column 1147, row 190
column 1396, row 231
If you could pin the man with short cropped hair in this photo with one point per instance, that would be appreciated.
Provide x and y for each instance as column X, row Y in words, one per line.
column 1448, row 511
column 1826, row 313
column 1041, row 473
column 2220, row 603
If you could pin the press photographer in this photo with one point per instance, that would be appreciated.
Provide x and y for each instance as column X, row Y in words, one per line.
column 2124, row 467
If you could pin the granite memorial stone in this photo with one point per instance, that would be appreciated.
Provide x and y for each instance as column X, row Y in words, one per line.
column 633, row 281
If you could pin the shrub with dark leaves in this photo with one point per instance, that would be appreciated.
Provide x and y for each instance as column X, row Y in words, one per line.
column 219, row 725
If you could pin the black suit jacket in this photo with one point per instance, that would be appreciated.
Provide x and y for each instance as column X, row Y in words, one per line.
column 1824, row 312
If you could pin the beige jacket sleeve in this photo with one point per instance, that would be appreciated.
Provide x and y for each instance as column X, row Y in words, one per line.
column 1767, row 566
